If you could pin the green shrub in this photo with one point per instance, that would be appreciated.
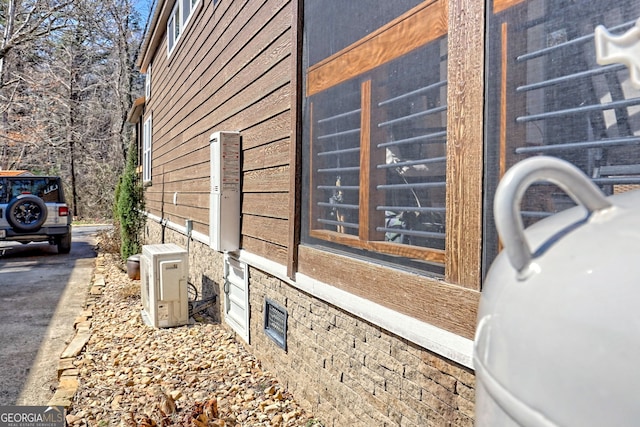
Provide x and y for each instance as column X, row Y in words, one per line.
column 129, row 206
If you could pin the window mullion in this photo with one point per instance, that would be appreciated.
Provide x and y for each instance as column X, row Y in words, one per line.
column 365, row 162
column 464, row 144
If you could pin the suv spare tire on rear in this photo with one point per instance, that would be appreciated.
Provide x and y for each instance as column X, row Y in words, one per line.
column 26, row 213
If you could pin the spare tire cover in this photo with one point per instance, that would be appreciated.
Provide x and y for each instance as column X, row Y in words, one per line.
column 26, row 213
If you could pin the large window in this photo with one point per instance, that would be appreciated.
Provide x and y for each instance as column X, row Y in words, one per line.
column 375, row 122
column 548, row 96
column 391, row 154
column 180, row 15
column 146, row 150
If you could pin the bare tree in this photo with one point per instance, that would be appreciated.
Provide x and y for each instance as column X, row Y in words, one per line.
column 65, row 108
column 25, row 21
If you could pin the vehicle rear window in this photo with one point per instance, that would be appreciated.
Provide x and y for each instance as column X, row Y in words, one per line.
column 47, row 189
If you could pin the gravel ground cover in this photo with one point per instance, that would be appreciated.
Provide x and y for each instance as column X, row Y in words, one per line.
column 131, row 374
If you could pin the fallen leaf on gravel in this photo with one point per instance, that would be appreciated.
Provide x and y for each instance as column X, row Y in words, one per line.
column 147, row 422
column 167, row 405
column 211, row 409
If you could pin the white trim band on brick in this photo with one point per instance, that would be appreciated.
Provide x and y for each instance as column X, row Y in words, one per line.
column 440, row 341
column 445, row 343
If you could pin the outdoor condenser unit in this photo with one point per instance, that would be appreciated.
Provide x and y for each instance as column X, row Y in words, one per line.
column 224, row 208
column 164, row 270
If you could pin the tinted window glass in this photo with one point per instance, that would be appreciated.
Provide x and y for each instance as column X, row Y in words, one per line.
column 547, row 95
column 47, row 189
column 375, row 131
column 332, row 25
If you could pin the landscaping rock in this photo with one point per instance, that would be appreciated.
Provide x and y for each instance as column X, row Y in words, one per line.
column 131, row 374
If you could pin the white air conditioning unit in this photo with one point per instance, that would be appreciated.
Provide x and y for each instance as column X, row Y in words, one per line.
column 164, row 270
column 224, row 207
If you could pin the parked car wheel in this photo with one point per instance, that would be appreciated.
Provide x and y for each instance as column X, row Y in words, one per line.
column 26, row 213
column 64, row 243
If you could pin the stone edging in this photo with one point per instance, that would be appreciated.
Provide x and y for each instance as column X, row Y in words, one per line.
column 67, row 371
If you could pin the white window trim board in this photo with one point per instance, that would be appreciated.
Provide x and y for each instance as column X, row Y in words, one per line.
column 180, row 21
column 147, row 148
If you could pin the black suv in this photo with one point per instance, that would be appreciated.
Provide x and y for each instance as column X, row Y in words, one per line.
column 33, row 209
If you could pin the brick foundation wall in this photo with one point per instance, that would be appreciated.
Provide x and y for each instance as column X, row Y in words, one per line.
column 346, row 371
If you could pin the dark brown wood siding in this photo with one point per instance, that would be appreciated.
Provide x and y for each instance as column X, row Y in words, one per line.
column 230, row 71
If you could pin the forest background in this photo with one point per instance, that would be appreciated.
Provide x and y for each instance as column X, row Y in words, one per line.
column 67, row 83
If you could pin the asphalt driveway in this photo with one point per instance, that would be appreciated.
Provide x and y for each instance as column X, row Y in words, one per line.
column 41, row 294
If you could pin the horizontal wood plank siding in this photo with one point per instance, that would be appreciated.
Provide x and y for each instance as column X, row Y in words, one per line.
column 232, row 75
column 273, row 154
column 271, row 251
column 178, row 185
column 184, row 81
column 266, row 180
column 270, row 130
column 263, row 228
column 230, row 70
column 175, row 213
column 266, row 204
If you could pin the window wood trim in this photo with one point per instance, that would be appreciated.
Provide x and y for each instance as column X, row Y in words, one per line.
column 500, row 5
column 417, row 27
column 295, row 146
column 465, row 144
column 364, row 215
column 450, row 307
column 425, row 254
